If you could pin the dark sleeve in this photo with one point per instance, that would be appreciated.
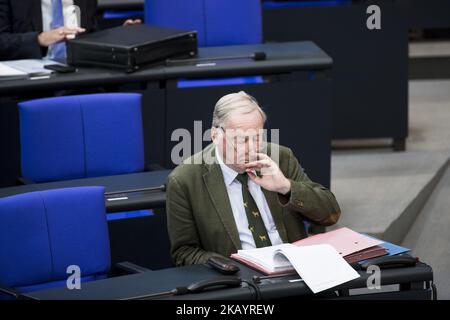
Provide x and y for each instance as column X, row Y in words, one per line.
column 309, row 198
column 16, row 45
column 186, row 248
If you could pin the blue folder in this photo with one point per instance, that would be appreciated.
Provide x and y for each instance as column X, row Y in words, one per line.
column 393, row 249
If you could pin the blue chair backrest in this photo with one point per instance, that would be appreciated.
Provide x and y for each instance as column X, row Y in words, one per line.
column 81, row 136
column 44, row 232
column 218, row 22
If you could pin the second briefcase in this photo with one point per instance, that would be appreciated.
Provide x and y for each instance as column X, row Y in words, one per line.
column 130, row 47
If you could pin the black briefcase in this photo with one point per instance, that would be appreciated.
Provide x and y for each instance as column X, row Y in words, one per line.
column 130, row 47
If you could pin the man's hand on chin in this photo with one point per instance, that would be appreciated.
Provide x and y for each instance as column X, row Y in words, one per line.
column 271, row 178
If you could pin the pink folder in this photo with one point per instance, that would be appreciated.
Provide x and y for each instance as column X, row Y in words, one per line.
column 344, row 240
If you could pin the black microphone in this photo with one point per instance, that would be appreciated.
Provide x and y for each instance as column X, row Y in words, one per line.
column 256, row 56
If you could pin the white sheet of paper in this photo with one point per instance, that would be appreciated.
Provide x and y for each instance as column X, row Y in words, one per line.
column 9, row 73
column 320, row 266
column 31, row 67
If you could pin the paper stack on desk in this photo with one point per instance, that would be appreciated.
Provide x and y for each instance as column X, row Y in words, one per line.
column 320, row 266
column 24, row 69
column 312, row 257
column 9, row 73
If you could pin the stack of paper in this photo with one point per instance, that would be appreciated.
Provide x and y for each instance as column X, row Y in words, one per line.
column 9, row 73
column 321, row 260
column 23, row 69
column 320, row 266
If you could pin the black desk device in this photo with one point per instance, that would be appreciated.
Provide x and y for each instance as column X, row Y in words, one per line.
column 60, row 68
column 223, row 265
column 386, row 262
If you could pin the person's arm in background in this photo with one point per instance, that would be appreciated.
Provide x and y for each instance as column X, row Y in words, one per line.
column 26, row 45
column 16, row 45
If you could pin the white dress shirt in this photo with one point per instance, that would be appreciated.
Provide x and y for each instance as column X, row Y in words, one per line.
column 234, row 190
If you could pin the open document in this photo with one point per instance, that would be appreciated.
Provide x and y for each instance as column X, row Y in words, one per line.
column 320, row 266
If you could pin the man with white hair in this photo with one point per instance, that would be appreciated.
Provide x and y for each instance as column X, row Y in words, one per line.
column 240, row 192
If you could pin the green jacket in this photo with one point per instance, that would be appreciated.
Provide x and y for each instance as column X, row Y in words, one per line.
column 200, row 219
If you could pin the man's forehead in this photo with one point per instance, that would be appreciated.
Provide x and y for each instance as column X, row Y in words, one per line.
column 244, row 120
column 244, row 131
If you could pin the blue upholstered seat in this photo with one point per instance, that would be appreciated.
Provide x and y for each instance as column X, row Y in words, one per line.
column 81, row 136
column 44, row 232
column 217, row 22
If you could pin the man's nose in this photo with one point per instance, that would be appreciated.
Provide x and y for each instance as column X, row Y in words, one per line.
column 250, row 144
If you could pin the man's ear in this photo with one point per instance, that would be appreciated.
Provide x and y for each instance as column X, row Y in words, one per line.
column 215, row 135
